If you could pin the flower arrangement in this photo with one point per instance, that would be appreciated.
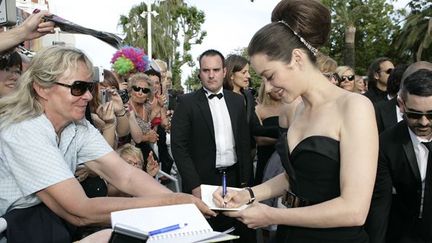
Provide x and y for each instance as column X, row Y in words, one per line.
column 130, row 60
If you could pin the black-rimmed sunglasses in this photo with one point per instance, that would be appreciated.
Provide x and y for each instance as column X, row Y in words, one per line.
column 347, row 77
column 144, row 90
column 417, row 115
column 78, row 88
column 388, row 71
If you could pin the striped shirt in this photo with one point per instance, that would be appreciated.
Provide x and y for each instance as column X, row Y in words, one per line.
column 33, row 158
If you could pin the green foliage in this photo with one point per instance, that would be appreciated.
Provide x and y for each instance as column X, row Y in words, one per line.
column 175, row 29
column 193, row 82
column 414, row 40
column 375, row 23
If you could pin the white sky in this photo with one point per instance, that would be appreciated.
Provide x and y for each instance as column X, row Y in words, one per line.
column 230, row 24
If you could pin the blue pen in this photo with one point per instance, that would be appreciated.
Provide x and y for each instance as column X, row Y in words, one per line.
column 167, row 229
column 224, row 186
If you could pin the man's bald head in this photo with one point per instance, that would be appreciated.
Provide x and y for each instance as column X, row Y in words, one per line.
column 415, row 67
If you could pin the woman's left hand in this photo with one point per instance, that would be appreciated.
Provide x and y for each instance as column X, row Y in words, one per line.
column 257, row 215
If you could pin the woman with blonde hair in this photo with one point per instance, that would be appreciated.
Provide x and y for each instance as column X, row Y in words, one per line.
column 346, row 77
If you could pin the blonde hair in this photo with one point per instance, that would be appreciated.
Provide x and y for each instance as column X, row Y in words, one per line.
column 135, row 78
column 47, row 67
column 130, row 150
column 264, row 98
column 162, row 65
column 326, row 64
column 342, row 69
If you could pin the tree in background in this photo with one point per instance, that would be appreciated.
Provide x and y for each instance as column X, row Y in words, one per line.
column 193, row 82
column 415, row 38
column 174, row 30
column 375, row 25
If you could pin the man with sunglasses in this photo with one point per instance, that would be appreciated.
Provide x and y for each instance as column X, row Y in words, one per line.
column 405, row 167
column 378, row 73
column 44, row 137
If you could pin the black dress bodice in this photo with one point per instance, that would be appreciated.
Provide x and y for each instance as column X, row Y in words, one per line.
column 313, row 167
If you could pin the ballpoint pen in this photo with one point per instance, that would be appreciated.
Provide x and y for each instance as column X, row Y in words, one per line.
column 167, row 229
column 224, row 186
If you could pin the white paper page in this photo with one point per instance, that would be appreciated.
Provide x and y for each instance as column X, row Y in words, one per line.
column 207, row 197
column 153, row 218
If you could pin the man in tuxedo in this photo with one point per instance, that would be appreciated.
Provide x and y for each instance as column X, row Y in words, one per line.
column 209, row 134
column 387, row 111
column 404, row 164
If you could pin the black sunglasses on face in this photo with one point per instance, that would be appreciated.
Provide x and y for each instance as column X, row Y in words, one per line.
column 417, row 115
column 388, row 71
column 78, row 88
column 144, row 90
column 347, row 77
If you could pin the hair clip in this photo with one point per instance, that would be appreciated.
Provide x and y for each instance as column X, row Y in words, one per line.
column 308, row 46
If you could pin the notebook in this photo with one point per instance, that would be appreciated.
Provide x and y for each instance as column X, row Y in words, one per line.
column 207, row 198
column 148, row 219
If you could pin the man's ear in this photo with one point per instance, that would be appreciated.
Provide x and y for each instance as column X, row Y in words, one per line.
column 401, row 104
column 40, row 91
column 376, row 75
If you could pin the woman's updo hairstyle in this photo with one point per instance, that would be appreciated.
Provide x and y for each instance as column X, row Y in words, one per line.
column 303, row 24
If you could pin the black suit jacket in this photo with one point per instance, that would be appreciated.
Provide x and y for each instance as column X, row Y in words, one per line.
column 385, row 112
column 397, row 167
column 193, row 140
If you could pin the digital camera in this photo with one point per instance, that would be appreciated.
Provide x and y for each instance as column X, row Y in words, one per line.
column 104, row 96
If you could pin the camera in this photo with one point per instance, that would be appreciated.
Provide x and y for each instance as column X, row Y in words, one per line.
column 104, row 96
column 98, row 74
column 124, row 95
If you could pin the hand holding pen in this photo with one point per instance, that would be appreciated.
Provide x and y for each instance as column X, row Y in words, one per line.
column 224, row 186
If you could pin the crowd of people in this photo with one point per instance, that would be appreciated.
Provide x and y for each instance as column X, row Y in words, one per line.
column 323, row 153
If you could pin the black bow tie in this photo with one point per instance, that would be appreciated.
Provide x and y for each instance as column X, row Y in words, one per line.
column 220, row 95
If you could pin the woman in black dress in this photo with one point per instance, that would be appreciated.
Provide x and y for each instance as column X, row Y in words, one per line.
column 331, row 148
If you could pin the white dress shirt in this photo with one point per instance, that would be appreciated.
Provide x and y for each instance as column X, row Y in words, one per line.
column 421, row 153
column 224, row 136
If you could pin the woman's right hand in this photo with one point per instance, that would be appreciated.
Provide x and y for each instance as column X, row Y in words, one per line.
column 233, row 198
column 106, row 112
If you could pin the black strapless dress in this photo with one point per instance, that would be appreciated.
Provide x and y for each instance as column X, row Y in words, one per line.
column 264, row 152
column 313, row 167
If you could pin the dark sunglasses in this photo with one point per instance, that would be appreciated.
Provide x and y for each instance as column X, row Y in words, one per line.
column 388, row 71
column 329, row 75
column 418, row 115
column 144, row 90
column 345, row 78
column 78, row 88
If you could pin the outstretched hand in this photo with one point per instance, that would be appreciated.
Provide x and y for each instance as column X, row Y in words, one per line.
column 34, row 26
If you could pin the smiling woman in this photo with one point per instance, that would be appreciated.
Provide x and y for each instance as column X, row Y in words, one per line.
column 10, row 71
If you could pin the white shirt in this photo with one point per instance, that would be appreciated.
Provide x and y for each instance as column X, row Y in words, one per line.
column 32, row 158
column 224, row 136
column 421, row 153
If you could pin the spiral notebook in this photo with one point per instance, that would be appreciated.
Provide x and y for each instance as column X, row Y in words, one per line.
column 152, row 218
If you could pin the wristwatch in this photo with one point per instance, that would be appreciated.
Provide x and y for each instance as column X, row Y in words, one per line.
column 252, row 195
